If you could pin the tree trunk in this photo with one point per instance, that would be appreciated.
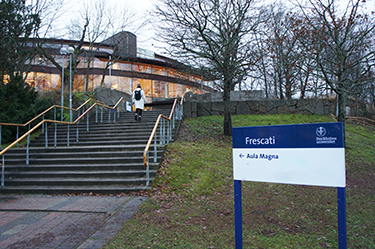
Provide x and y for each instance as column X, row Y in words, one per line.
column 87, row 79
column 103, row 77
column 227, row 115
column 342, row 107
column 281, row 88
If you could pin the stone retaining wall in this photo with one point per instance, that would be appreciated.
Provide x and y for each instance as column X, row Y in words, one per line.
column 111, row 97
column 195, row 108
column 244, row 103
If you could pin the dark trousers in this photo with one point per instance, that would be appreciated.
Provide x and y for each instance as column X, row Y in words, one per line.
column 138, row 112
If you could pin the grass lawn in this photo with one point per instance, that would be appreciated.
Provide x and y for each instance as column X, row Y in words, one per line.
column 191, row 204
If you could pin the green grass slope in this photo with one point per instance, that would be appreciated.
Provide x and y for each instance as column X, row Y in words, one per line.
column 192, row 202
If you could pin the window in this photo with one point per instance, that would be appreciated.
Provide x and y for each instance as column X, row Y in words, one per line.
column 158, row 70
column 143, row 68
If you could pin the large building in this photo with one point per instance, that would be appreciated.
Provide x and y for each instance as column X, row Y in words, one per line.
column 115, row 63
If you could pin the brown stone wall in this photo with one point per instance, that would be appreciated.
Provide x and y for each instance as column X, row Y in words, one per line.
column 305, row 106
column 110, row 97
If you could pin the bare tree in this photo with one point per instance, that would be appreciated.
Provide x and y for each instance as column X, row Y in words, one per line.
column 49, row 11
column 287, row 65
column 100, row 20
column 97, row 20
column 341, row 46
column 261, row 70
column 212, row 35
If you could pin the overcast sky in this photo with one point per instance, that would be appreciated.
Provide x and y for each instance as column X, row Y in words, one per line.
column 146, row 34
column 71, row 9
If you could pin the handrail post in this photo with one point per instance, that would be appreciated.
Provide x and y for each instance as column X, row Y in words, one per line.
column 87, row 122
column 101, row 114
column 43, row 125
column 18, row 130
column 155, row 150
column 0, row 136
column 170, row 130
column 96, row 114
column 55, row 136
column 160, row 131
column 68, row 136
column 27, row 148
column 147, row 172
column 77, row 131
column 55, row 133
column 46, row 136
column 79, row 114
column 2, row 172
column 164, row 132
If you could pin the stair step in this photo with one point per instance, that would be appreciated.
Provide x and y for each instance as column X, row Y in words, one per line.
column 80, row 154
column 77, row 148
column 77, row 181
column 79, row 174
column 104, row 189
column 78, row 167
column 67, row 161
column 107, row 159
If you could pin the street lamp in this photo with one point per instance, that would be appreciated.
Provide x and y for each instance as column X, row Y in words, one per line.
column 70, row 51
column 63, row 52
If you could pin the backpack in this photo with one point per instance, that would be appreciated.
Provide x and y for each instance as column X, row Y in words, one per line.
column 137, row 94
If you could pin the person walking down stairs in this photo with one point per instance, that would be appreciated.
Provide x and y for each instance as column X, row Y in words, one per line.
column 139, row 100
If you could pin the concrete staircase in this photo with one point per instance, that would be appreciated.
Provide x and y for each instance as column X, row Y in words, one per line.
column 107, row 159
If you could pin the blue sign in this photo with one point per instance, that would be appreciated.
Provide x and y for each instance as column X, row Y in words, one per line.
column 321, row 135
column 307, row 154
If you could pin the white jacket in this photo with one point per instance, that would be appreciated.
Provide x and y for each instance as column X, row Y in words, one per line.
column 139, row 104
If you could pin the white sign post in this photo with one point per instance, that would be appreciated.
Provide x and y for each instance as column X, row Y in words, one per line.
column 308, row 154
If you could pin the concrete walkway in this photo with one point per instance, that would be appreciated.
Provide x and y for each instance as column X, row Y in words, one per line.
column 46, row 221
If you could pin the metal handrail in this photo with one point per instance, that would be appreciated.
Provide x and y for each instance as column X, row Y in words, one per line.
column 57, row 106
column 73, row 109
column 39, row 124
column 152, row 136
column 362, row 119
column 96, row 103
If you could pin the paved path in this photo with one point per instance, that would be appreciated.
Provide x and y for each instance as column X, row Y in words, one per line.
column 44, row 221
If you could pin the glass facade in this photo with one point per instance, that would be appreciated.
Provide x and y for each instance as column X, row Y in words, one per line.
column 142, row 68
column 158, row 70
column 157, row 81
